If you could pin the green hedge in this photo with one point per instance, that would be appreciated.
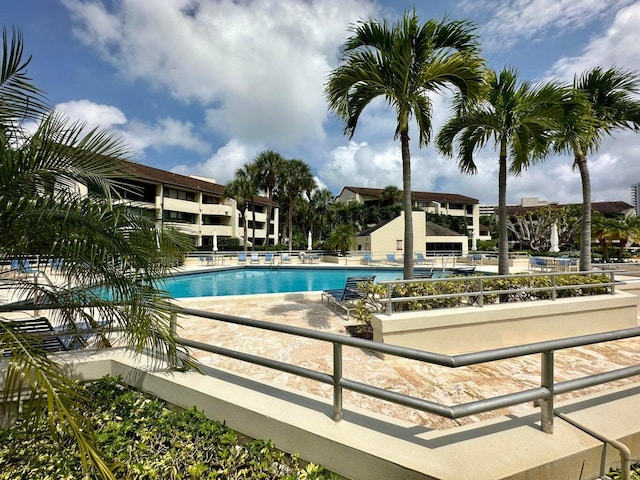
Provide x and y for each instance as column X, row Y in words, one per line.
column 140, row 437
column 524, row 290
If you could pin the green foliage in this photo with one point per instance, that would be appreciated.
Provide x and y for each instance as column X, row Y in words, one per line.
column 615, row 474
column 142, row 438
column 455, row 223
column 429, row 295
column 342, row 239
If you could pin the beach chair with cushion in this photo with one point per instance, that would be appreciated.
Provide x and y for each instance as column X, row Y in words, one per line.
column 422, row 260
column 391, row 259
column 255, row 258
column 268, row 258
column 285, row 258
column 242, row 258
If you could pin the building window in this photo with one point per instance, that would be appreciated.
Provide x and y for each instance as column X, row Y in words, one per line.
column 178, row 217
column 208, row 199
column 456, row 206
column 211, row 220
column 179, row 194
column 398, row 244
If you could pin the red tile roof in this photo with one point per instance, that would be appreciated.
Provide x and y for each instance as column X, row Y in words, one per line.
column 417, row 196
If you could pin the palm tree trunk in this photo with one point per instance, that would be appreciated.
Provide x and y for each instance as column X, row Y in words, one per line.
column 503, row 239
column 290, row 221
column 253, row 228
column 267, row 244
column 585, row 228
column 406, row 201
column 244, row 220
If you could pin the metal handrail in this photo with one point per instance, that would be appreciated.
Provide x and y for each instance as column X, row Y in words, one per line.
column 544, row 394
column 480, row 294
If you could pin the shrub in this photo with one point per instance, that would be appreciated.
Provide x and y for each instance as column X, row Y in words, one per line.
column 525, row 288
column 141, row 437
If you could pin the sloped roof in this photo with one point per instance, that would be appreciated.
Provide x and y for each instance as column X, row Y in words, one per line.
column 156, row 175
column 433, row 230
column 606, row 208
column 417, row 196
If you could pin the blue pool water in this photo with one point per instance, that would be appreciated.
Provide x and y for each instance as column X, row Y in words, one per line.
column 251, row 281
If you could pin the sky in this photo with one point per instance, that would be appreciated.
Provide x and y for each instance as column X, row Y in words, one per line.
column 201, row 87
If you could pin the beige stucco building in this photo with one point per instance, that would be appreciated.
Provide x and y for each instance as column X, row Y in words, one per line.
column 429, row 238
column 196, row 206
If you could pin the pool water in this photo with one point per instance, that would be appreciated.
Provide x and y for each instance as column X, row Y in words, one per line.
column 251, row 281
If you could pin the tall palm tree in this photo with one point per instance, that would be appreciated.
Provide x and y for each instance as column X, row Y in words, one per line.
column 603, row 101
column 269, row 165
column 247, row 176
column 298, row 180
column 404, row 63
column 520, row 120
column 242, row 191
column 320, row 204
column 43, row 214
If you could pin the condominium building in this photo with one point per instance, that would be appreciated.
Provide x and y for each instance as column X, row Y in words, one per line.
column 197, row 206
column 427, row 237
column 635, row 197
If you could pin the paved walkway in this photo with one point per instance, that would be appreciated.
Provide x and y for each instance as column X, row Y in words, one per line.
column 439, row 384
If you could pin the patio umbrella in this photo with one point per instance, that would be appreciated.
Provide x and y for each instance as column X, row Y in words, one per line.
column 474, row 242
column 215, row 242
column 554, row 238
column 309, row 246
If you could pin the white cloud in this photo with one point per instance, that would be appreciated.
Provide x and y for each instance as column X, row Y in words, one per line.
column 259, row 67
column 619, row 45
column 223, row 164
column 93, row 114
column 517, row 20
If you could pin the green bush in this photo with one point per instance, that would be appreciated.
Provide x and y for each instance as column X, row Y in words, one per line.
column 140, row 437
column 525, row 288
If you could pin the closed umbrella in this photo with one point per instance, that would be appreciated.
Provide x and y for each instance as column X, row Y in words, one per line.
column 309, row 246
column 215, row 242
column 554, row 239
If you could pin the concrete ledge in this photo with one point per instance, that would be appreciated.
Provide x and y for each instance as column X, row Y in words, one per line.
column 370, row 446
column 472, row 329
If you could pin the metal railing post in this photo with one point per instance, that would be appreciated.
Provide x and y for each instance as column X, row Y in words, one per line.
column 613, row 282
column 554, row 290
column 172, row 352
column 337, row 377
column 389, row 303
column 546, row 404
column 481, row 296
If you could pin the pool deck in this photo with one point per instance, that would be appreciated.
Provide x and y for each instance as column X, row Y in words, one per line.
column 440, row 384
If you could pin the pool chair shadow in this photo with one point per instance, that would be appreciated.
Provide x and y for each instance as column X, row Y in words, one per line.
column 368, row 260
column 242, row 258
column 391, row 259
column 346, row 298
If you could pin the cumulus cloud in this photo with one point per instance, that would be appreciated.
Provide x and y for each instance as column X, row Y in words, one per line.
column 223, row 164
column 93, row 114
column 258, row 67
column 618, row 45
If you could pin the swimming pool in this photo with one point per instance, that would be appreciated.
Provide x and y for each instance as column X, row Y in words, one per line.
column 251, row 281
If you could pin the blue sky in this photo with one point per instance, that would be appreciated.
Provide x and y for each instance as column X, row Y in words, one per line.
column 202, row 86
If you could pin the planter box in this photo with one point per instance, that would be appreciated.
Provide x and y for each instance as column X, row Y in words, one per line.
column 472, row 329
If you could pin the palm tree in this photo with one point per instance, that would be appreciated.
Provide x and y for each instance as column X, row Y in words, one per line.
column 342, row 238
column 603, row 101
column 43, row 214
column 242, row 191
column 269, row 165
column 404, row 64
column 297, row 180
column 247, row 176
column 320, row 205
column 390, row 195
column 519, row 118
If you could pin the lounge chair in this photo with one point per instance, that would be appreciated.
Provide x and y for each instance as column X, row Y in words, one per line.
column 391, row 258
column 368, row 259
column 268, row 258
column 568, row 264
column 285, row 258
column 541, row 264
column 255, row 258
column 422, row 260
column 242, row 258
column 39, row 332
column 346, row 297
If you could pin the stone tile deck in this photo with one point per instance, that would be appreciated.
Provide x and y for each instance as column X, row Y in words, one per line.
column 440, row 384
